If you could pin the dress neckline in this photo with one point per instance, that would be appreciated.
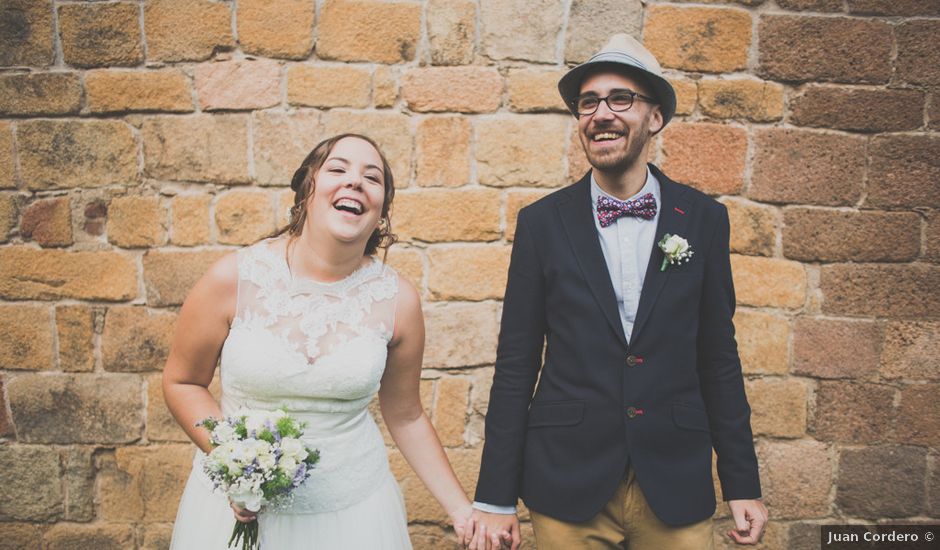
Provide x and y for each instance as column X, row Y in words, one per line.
column 307, row 285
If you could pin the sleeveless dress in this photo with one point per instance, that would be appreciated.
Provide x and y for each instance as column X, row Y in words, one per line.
column 318, row 350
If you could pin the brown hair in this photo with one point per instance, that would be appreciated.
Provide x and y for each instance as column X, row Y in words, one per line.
column 303, row 184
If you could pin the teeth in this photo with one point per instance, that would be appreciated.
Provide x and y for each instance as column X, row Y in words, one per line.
column 350, row 204
column 606, row 136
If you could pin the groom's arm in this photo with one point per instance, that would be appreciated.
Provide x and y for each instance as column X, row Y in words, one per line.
column 720, row 371
column 518, row 358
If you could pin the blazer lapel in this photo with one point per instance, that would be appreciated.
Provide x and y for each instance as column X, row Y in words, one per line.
column 673, row 218
column 577, row 216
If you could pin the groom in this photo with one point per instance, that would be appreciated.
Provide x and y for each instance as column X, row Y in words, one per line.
column 641, row 377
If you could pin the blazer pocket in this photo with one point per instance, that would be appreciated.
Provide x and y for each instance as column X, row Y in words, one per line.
column 556, row 413
column 690, row 418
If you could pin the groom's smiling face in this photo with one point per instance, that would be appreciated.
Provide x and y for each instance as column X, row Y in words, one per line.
column 615, row 140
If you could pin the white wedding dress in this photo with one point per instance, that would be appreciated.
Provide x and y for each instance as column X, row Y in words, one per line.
column 317, row 350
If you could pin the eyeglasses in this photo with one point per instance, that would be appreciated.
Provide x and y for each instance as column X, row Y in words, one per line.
column 618, row 101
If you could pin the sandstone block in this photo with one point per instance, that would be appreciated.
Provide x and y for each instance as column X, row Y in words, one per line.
column 240, row 84
column 901, row 7
column 281, row 142
column 768, row 282
column 461, row 89
column 190, row 219
column 443, row 151
column 21, row 535
column 97, row 35
column 392, row 131
column 911, row 350
column 521, row 150
column 473, row 215
column 742, row 98
column 136, row 339
column 384, row 87
column 591, row 22
column 48, row 222
column 29, row 38
column 367, row 30
column 535, row 90
column 168, row 276
column 197, row 148
column 76, row 153
column 25, row 337
column 7, row 171
column 840, row 49
column 71, row 536
column 911, row 290
column 29, row 274
column 76, row 408
column 812, row 234
column 881, row 482
column 807, row 167
column 698, row 39
column 409, row 263
column 854, row 413
column 244, row 217
column 6, row 423
column 460, row 335
column 143, row 482
column 450, row 410
column 762, row 342
column 917, row 61
column 157, row 536
column 8, row 216
column 420, row 504
column 903, row 171
column 521, row 29
column 753, row 227
column 95, row 214
column 116, row 91
column 469, row 272
column 918, row 418
column 451, row 31
column 78, row 471
column 328, row 86
column 796, row 477
column 778, row 407
column 186, row 30
column 57, row 93
column 516, row 200
column 75, row 326
column 709, row 157
column 31, row 489
column 136, row 222
column 833, row 348
column 283, row 28
column 858, row 110
column 686, row 95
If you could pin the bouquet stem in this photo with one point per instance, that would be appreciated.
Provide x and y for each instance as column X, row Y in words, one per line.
column 245, row 534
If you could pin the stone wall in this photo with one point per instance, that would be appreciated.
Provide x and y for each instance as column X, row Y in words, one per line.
column 140, row 140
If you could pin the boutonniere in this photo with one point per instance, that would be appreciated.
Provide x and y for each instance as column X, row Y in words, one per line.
column 675, row 250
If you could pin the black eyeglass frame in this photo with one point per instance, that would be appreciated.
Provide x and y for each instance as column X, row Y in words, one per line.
column 633, row 96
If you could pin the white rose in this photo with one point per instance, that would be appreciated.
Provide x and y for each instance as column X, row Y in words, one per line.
column 675, row 245
column 287, row 465
column 223, row 433
column 294, row 448
column 254, row 421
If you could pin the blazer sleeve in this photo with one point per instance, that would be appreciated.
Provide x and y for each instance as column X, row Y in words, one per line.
column 518, row 359
column 720, row 374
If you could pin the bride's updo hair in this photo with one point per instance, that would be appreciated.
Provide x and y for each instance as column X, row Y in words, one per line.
column 303, row 184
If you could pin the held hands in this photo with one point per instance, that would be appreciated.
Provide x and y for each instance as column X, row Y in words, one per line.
column 243, row 515
column 750, row 517
column 492, row 531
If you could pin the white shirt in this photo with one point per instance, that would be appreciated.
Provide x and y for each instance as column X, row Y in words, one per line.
column 627, row 245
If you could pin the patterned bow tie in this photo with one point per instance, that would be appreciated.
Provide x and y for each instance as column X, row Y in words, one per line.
column 609, row 210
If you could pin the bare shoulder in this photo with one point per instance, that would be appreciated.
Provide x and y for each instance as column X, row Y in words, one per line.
column 408, row 315
column 217, row 289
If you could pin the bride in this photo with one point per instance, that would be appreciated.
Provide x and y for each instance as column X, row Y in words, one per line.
column 310, row 321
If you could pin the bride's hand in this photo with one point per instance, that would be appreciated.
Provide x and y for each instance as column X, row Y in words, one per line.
column 243, row 514
column 463, row 523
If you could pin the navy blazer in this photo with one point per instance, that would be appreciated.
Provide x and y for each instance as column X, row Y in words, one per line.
column 659, row 404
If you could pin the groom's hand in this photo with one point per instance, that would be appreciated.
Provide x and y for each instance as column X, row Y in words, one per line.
column 750, row 517
column 494, row 531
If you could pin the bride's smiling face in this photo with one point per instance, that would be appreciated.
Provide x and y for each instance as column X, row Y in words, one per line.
column 348, row 192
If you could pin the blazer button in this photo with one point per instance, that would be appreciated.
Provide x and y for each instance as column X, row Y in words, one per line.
column 631, row 412
column 631, row 360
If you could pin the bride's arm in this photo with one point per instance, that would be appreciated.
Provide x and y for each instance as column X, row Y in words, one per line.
column 407, row 423
column 201, row 328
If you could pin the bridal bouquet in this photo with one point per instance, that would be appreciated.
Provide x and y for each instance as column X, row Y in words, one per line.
column 257, row 459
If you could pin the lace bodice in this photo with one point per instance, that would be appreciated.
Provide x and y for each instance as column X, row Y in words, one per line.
column 318, row 350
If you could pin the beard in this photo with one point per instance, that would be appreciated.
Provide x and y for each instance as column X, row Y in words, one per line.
column 618, row 160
